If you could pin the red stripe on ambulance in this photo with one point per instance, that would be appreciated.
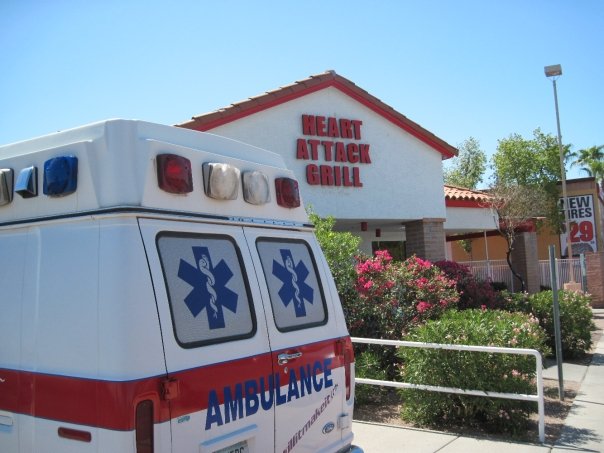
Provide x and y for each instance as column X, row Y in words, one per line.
column 111, row 404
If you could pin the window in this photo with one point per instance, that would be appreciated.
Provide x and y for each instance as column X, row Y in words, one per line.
column 293, row 283
column 207, row 288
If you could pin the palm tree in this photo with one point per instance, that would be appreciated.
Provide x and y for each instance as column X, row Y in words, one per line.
column 591, row 160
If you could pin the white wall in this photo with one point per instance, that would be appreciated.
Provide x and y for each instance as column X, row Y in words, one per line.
column 469, row 219
column 404, row 180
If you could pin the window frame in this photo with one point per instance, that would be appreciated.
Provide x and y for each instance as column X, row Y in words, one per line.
column 244, row 276
column 315, row 268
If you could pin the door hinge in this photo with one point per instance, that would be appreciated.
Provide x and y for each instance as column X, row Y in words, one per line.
column 169, row 389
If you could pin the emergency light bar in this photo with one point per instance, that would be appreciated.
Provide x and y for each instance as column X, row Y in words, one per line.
column 255, row 188
column 27, row 182
column 221, row 181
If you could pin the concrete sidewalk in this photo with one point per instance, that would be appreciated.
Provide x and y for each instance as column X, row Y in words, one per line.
column 583, row 428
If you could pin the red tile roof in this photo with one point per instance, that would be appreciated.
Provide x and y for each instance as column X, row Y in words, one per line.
column 312, row 84
column 462, row 197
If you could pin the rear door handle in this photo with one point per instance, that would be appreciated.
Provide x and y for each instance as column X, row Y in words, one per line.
column 282, row 359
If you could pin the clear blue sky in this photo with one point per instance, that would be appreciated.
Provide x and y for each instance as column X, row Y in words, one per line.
column 459, row 68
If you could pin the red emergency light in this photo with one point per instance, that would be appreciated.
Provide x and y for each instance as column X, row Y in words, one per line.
column 174, row 173
column 288, row 194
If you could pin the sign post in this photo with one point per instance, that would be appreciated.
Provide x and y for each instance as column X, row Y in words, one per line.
column 554, row 284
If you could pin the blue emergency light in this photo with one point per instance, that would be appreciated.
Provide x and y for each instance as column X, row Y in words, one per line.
column 60, row 176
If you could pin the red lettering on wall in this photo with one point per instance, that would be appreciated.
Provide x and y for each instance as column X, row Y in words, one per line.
column 340, row 152
column 353, row 153
column 302, row 149
column 332, row 127
column 321, row 126
column 308, row 125
column 345, row 128
column 356, row 177
column 356, row 124
column 346, row 177
column 314, row 149
column 364, row 149
column 327, row 145
column 332, row 151
column 312, row 174
column 326, row 175
column 337, row 176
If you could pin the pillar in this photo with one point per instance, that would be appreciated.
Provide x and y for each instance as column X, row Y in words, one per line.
column 526, row 261
column 594, row 262
column 426, row 239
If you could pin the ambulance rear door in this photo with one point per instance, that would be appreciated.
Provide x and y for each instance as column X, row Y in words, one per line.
column 305, row 335
column 215, row 337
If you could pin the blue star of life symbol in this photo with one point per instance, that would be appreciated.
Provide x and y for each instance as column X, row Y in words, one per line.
column 294, row 288
column 209, row 287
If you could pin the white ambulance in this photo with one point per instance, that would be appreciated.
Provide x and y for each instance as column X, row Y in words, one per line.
column 161, row 290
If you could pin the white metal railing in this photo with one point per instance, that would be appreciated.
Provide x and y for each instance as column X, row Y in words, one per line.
column 499, row 271
column 492, row 270
column 453, row 347
column 563, row 269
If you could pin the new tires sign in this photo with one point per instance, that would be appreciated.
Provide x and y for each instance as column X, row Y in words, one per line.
column 581, row 216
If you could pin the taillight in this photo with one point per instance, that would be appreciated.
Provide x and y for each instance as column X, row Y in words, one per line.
column 144, row 427
column 174, row 173
column 348, row 354
column 288, row 194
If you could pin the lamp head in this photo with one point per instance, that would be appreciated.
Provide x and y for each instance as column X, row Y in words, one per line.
column 553, row 70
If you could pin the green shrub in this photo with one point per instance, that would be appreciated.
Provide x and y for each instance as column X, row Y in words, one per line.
column 515, row 301
column 340, row 250
column 367, row 365
column 508, row 373
column 576, row 321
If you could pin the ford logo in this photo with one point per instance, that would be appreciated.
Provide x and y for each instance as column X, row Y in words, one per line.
column 328, row 428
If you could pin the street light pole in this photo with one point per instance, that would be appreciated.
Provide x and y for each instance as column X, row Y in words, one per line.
column 554, row 72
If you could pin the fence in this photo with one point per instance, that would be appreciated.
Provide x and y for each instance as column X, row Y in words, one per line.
column 515, row 396
column 499, row 271
column 563, row 269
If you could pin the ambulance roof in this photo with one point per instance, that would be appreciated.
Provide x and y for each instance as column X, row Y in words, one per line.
column 117, row 166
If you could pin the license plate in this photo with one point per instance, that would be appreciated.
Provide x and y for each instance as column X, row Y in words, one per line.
column 239, row 447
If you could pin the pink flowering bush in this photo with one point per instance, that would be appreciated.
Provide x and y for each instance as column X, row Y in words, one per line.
column 473, row 293
column 394, row 296
column 391, row 298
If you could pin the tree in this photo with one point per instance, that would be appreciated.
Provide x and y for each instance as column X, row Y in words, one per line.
column 340, row 250
column 469, row 165
column 514, row 206
column 533, row 164
column 591, row 161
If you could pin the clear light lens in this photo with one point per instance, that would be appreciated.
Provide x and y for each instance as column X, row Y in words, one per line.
column 288, row 194
column 221, row 181
column 27, row 182
column 255, row 188
column 174, row 173
column 60, row 176
column 6, row 186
